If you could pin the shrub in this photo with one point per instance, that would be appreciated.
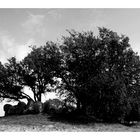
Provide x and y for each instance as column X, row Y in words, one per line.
column 54, row 106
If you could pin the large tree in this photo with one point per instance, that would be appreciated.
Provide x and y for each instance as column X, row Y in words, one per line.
column 102, row 71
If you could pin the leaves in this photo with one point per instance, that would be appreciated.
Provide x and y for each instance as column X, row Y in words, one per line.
column 40, row 67
column 97, row 72
column 101, row 71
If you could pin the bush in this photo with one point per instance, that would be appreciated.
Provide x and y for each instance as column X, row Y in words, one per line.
column 54, row 106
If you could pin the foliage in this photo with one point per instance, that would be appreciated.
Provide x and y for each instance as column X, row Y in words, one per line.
column 10, row 82
column 53, row 106
column 101, row 73
column 39, row 68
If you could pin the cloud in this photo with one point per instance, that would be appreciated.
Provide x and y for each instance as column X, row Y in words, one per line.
column 37, row 25
column 34, row 24
column 54, row 14
column 9, row 48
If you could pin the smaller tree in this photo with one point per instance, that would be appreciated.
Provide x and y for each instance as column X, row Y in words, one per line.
column 40, row 67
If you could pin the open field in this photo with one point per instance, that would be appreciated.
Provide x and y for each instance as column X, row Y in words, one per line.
column 43, row 123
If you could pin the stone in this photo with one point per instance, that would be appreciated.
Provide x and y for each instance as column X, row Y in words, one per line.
column 6, row 109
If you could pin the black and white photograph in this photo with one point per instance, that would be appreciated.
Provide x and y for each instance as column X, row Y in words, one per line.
column 70, row 69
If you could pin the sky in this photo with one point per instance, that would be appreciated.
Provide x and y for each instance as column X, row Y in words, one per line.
column 20, row 28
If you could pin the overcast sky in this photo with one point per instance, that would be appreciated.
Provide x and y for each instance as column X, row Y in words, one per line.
column 20, row 28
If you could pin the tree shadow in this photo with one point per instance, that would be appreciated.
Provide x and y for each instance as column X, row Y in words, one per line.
column 72, row 118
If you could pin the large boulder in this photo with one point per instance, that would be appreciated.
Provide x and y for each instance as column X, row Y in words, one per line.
column 30, row 104
column 9, row 110
column 46, row 106
column 15, row 110
column 38, row 107
column 22, row 105
column 34, row 107
column 29, row 108
column 12, row 110
column 19, row 108
column 6, row 108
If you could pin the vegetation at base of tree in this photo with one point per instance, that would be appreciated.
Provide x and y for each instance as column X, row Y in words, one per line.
column 98, row 76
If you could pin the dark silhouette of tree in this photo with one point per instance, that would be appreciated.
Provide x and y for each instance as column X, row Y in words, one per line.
column 39, row 68
column 10, row 85
column 81, row 62
column 101, row 73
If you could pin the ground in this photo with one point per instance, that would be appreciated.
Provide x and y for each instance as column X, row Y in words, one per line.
column 44, row 123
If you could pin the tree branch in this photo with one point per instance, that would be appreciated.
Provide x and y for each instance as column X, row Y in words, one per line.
column 26, row 96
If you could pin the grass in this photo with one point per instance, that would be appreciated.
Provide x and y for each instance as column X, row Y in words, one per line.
column 46, row 123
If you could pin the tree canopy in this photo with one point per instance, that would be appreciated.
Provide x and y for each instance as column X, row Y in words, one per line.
column 39, row 68
column 100, row 74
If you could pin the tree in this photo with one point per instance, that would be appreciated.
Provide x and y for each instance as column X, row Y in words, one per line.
column 122, row 67
column 38, row 69
column 101, row 72
column 10, row 85
column 81, row 62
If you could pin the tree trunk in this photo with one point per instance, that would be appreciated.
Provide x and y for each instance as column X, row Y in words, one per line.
column 39, row 97
column 78, row 105
column 83, row 109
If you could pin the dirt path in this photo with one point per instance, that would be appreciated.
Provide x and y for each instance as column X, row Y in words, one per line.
column 42, row 123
